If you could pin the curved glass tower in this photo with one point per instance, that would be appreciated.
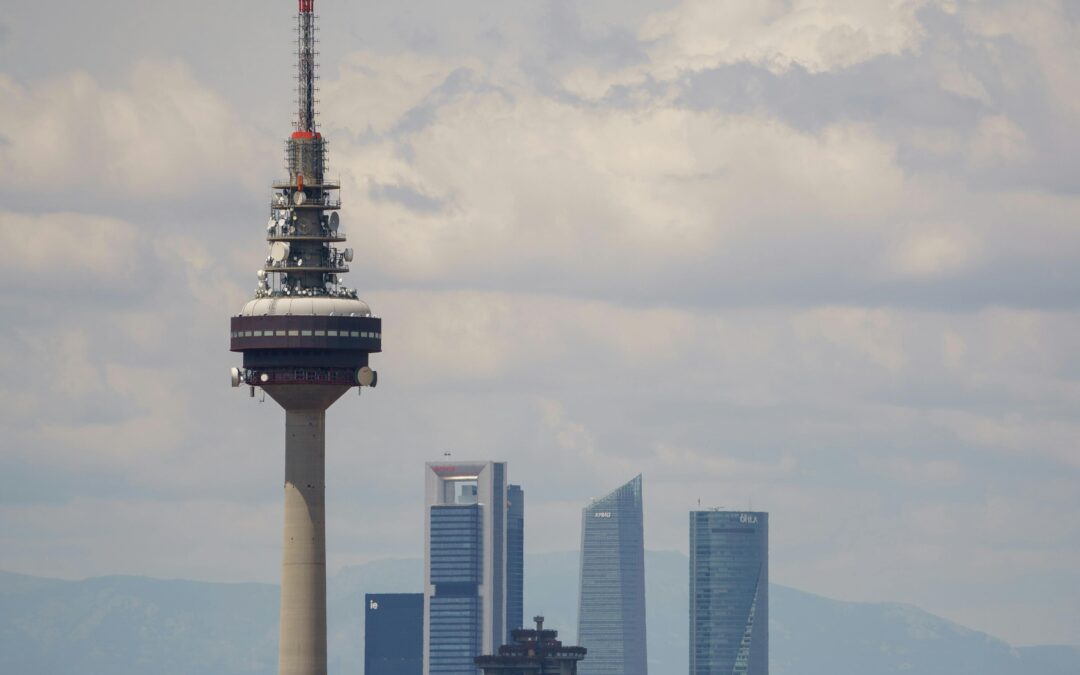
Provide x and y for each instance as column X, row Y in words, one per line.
column 729, row 593
column 611, row 607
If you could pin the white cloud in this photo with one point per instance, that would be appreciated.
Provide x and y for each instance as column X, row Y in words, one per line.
column 873, row 335
column 997, row 140
column 163, row 134
column 927, row 252
column 372, row 91
column 1017, row 433
column 916, row 472
column 1045, row 29
column 817, row 35
column 528, row 182
column 66, row 252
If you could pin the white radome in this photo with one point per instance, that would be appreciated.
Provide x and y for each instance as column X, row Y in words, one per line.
column 317, row 306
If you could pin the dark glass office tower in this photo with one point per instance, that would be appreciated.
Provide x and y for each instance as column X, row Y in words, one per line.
column 611, row 607
column 729, row 593
column 515, row 561
column 465, row 564
column 393, row 633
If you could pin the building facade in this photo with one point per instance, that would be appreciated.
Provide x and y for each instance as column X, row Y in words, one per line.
column 465, row 527
column 515, row 561
column 729, row 593
column 611, row 606
column 393, row 633
column 533, row 652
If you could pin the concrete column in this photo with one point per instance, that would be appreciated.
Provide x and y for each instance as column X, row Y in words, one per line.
column 302, row 648
column 302, row 644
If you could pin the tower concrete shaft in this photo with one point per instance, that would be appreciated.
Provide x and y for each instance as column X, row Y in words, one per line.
column 302, row 638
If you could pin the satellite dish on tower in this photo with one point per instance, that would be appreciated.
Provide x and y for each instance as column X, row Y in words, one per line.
column 348, row 255
column 335, row 220
column 366, row 377
column 299, row 198
column 279, row 251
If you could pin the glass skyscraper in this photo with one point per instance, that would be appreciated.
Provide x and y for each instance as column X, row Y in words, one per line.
column 729, row 593
column 515, row 561
column 464, row 564
column 393, row 633
column 611, row 606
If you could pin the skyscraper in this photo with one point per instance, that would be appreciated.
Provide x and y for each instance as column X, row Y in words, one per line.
column 611, row 609
column 393, row 633
column 515, row 561
column 464, row 564
column 729, row 593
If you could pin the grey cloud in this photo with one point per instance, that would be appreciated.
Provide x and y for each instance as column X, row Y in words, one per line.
column 568, row 42
column 889, row 90
column 459, row 81
column 901, row 94
column 407, row 196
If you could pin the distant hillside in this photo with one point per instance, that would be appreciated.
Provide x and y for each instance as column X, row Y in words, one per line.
column 139, row 626
column 129, row 625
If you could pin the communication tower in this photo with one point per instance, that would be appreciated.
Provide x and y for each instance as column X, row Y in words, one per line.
column 305, row 340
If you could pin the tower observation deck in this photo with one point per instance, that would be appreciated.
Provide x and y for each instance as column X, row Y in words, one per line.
column 305, row 340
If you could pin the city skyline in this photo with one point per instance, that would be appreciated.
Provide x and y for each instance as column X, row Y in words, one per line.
column 834, row 248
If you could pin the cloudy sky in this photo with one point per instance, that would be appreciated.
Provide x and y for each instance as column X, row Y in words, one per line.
column 817, row 256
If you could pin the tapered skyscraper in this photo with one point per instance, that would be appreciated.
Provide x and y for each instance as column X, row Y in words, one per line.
column 729, row 593
column 611, row 609
column 305, row 340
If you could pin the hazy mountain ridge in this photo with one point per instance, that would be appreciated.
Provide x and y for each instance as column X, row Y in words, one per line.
column 135, row 626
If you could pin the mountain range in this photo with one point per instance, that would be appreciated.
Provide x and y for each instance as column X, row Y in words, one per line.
column 138, row 626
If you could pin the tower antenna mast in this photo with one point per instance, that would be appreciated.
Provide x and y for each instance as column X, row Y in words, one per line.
column 305, row 73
